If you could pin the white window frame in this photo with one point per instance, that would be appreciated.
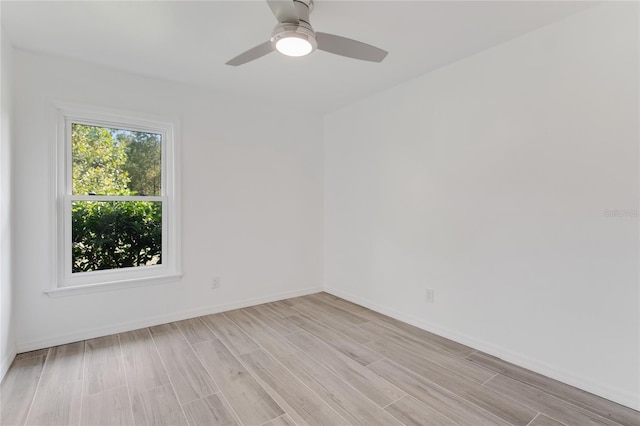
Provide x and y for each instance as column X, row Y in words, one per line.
column 66, row 282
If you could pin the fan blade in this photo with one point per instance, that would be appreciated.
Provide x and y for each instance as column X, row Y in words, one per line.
column 251, row 54
column 284, row 11
column 350, row 48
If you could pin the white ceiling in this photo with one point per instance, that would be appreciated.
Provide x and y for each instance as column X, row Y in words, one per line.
column 190, row 41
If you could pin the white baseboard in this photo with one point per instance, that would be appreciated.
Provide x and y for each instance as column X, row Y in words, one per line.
column 619, row 396
column 6, row 361
column 157, row 320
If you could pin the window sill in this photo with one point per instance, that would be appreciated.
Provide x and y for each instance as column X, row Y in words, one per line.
column 112, row 285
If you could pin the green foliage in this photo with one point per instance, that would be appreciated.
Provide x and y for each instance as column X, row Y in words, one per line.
column 143, row 164
column 115, row 234
column 98, row 162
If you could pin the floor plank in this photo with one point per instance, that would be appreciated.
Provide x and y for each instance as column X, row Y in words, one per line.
column 292, row 395
column 157, row 406
column 18, row 389
column 405, row 329
column 397, row 326
column 59, row 395
column 32, row 354
column 343, row 304
column 248, row 399
column 103, row 367
column 353, row 331
column 283, row 420
column 188, row 376
column 230, row 334
column 436, row 397
column 542, row 420
column 546, row 403
column 593, row 403
column 436, row 355
column 369, row 384
column 162, row 328
column 109, row 408
column 293, row 301
column 195, row 330
column 354, row 350
column 287, row 301
column 282, row 308
column 209, row 411
column 496, row 403
column 412, row 412
column 266, row 337
column 270, row 316
column 142, row 365
column 354, row 407
column 343, row 314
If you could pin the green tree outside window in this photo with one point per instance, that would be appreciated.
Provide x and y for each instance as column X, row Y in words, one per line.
column 120, row 233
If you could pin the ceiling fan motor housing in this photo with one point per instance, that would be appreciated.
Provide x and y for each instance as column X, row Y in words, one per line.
column 301, row 29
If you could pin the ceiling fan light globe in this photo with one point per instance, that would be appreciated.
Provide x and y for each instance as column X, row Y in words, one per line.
column 294, row 46
column 294, row 40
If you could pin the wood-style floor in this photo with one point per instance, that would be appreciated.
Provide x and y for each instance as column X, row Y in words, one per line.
column 315, row 359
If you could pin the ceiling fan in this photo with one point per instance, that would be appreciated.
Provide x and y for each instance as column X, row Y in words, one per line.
column 294, row 36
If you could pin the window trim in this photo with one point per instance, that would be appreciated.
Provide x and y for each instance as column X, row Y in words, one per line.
column 63, row 282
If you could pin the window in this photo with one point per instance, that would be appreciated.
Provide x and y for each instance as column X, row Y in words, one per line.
column 117, row 209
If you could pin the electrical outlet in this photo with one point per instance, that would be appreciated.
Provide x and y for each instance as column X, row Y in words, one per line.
column 215, row 283
column 429, row 295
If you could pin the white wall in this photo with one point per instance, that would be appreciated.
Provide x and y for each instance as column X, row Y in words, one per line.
column 252, row 202
column 7, row 341
column 488, row 181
